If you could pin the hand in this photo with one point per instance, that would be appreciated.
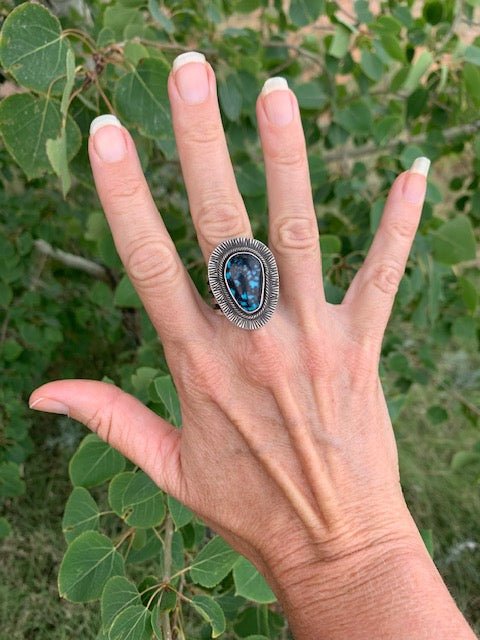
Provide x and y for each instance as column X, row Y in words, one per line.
column 286, row 447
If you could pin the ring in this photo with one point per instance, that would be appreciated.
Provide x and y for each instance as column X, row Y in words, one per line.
column 243, row 279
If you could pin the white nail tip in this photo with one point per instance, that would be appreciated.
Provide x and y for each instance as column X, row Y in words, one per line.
column 185, row 58
column 100, row 121
column 421, row 165
column 274, row 84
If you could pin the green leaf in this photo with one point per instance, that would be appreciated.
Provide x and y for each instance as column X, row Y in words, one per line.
column 163, row 390
column 90, row 560
column 143, row 502
column 356, row 118
column 427, row 537
column 156, row 621
column 250, row 584
column 181, row 515
column 141, row 98
column 133, row 623
column 11, row 484
column 303, row 12
column 310, row 95
column 81, row 514
column 6, row 294
column 371, row 65
column 213, row 563
column 251, row 179
column 125, row 295
column 330, row 243
column 454, row 241
column 118, row 594
column 464, row 459
column 67, row 90
column 471, row 79
column 376, row 214
column 210, row 611
column 26, row 123
column 94, row 462
column 472, row 54
column 436, row 414
column 433, row 11
column 230, row 97
column 160, row 17
column 341, row 42
column 392, row 46
column 362, row 10
column 57, row 155
column 33, row 49
column 469, row 293
column 5, row 528
column 118, row 18
column 417, row 71
column 137, row 499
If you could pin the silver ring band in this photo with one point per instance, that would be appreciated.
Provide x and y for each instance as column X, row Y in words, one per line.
column 243, row 279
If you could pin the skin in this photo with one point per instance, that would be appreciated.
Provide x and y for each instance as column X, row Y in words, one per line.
column 286, row 448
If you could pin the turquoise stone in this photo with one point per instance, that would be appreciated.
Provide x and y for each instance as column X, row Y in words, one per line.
column 245, row 280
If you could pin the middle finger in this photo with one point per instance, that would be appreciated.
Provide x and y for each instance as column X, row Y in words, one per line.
column 216, row 206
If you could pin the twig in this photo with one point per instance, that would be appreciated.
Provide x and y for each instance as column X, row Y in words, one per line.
column 461, row 398
column 70, row 260
column 371, row 149
column 167, row 569
column 300, row 50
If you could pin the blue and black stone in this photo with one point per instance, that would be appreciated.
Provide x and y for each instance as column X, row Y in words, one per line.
column 244, row 278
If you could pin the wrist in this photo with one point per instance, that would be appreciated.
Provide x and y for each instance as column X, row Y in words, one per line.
column 385, row 587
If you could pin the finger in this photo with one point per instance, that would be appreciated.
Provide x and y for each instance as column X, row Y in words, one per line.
column 216, row 206
column 142, row 240
column 372, row 292
column 120, row 420
column 293, row 228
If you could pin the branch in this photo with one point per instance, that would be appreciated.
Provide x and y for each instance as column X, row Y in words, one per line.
column 371, row 149
column 70, row 260
column 167, row 570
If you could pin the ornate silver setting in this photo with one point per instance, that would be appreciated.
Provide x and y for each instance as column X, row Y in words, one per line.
column 242, row 318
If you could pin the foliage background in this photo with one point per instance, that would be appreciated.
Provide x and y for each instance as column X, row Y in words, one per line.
column 379, row 83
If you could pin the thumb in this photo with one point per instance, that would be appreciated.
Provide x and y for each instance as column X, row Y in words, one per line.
column 120, row 420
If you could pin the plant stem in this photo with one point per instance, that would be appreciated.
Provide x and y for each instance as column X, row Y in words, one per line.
column 167, row 569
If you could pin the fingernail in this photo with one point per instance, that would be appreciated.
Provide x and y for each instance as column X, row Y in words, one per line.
column 191, row 78
column 50, row 406
column 108, row 138
column 415, row 185
column 277, row 101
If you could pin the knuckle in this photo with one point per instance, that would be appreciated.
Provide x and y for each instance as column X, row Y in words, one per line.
column 263, row 357
column 126, row 189
column 203, row 133
column 300, row 233
column 386, row 277
column 150, row 262
column 288, row 155
column 101, row 422
column 199, row 373
column 219, row 217
column 401, row 227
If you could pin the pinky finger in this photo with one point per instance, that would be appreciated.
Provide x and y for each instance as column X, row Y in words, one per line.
column 371, row 294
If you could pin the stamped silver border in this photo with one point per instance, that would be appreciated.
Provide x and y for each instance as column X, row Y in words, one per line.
column 230, row 308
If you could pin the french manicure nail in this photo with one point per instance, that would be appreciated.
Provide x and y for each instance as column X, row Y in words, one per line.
column 50, row 406
column 108, row 138
column 277, row 101
column 191, row 78
column 415, row 185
